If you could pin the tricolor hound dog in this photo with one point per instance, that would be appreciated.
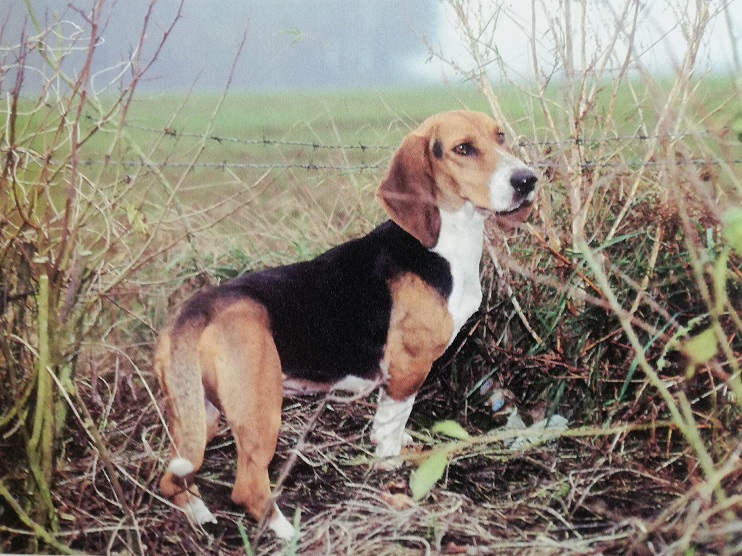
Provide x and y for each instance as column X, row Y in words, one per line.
column 378, row 310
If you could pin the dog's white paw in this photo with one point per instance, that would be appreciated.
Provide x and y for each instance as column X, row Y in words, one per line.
column 383, row 436
column 281, row 526
column 388, row 449
column 198, row 512
column 195, row 509
column 387, row 431
column 389, row 463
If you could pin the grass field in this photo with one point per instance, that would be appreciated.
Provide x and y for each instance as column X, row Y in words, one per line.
column 350, row 136
column 617, row 307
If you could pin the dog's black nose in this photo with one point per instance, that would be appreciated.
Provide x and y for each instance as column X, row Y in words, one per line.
column 523, row 181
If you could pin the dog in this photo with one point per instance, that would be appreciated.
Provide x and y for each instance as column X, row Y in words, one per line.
column 376, row 311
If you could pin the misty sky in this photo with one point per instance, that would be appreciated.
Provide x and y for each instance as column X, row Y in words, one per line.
column 288, row 44
column 312, row 44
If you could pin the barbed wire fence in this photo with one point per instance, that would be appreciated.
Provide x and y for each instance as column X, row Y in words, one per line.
column 315, row 146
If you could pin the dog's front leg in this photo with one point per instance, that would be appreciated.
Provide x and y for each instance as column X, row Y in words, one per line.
column 387, row 430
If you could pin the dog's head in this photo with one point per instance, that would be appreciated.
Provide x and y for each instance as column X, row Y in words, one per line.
column 451, row 159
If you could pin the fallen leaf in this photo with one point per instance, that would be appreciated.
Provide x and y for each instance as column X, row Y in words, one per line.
column 423, row 479
column 451, row 429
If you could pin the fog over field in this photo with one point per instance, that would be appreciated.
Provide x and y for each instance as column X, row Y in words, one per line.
column 300, row 44
column 288, row 45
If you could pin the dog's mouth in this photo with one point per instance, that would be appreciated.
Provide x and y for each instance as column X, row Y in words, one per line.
column 511, row 219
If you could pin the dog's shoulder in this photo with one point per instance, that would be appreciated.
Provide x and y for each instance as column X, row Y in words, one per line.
column 357, row 268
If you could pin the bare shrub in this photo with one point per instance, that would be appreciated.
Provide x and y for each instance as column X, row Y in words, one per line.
column 637, row 179
column 71, row 236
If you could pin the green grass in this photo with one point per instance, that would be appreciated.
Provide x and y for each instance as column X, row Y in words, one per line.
column 377, row 118
column 361, row 117
column 276, row 114
column 352, row 117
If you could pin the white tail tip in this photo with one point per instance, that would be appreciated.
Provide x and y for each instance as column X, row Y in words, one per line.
column 180, row 467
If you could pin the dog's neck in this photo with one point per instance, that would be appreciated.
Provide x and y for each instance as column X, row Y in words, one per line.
column 460, row 243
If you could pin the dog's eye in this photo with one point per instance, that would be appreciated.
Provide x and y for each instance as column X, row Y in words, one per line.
column 500, row 137
column 465, row 149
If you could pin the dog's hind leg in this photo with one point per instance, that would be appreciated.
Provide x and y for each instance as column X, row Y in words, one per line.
column 250, row 389
column 177, row 366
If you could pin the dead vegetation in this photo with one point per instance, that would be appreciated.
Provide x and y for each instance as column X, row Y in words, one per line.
column 617, row 307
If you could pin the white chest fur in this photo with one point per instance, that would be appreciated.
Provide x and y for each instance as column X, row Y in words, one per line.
column 460, row 243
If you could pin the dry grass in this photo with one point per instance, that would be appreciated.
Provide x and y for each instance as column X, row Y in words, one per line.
column 605, row 493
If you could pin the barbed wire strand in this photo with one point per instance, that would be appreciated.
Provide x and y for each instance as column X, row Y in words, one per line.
column 264, row 141
column 361, row 167
column 172, row 132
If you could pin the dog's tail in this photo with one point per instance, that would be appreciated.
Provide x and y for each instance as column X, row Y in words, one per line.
column 180, row 467
column 177, row 366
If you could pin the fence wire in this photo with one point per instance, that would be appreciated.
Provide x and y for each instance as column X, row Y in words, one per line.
column 585, row 164
column 267, row 142
column 232, row 165
column 361, row 167
column 521, row 142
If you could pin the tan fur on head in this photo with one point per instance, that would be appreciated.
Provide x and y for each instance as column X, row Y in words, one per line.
column 447, row 161
column 408, row 192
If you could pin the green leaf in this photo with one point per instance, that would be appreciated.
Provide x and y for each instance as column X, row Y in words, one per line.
column 702, row 347
column 736, row 125
column 423, row 479
column 733, row 229
column 451, row 429
column 245, row 541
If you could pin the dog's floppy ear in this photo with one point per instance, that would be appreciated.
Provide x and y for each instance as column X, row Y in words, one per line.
column 408, row 191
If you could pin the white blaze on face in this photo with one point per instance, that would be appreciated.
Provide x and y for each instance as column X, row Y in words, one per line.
column 503, row 196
